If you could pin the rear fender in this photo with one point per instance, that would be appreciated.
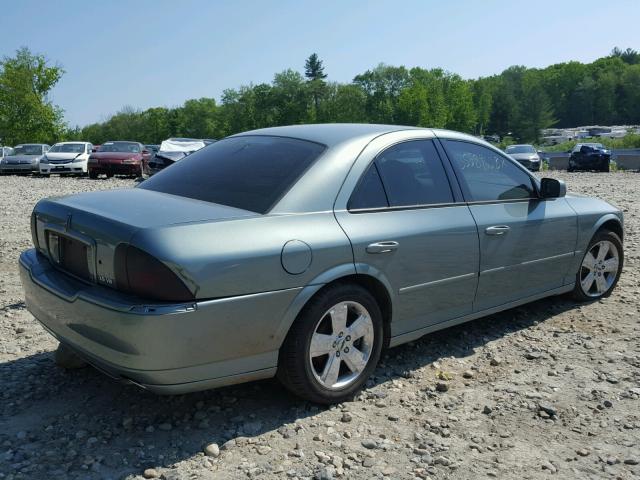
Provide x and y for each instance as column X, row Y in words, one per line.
column 329, row 276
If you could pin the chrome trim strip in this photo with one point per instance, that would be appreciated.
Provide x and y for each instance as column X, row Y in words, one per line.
column 442, row 281
column 554, row 257
column 528, row 262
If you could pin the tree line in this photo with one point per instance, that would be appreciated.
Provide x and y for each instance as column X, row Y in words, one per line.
column 518, row 102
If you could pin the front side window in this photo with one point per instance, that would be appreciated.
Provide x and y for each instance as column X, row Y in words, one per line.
column 247, row 172
column 413, row 174
column 486, row 175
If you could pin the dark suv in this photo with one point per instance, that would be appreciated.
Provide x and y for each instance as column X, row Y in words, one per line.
column 589, row 156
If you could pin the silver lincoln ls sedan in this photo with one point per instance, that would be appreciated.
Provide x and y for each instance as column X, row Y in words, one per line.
column 302, row 252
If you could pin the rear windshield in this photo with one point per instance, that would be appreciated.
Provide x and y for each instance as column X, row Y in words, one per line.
column 248, row 172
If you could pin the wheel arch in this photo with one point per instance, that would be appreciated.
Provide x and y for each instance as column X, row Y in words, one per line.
column 374, row 282
column 611, row 223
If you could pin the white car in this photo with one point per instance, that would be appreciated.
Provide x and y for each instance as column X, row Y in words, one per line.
column 66, row 157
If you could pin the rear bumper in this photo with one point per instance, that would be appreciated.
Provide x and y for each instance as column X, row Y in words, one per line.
column 18, row 167
column 170, row 348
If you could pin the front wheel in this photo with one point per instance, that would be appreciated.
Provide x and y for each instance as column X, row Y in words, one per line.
column 333, row 346
column 93, row 175
column 601, row 266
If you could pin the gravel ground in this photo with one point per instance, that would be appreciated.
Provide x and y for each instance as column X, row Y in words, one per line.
column 552, row 388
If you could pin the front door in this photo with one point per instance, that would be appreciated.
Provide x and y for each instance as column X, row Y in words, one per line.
column 406, row 227
column 526, row 243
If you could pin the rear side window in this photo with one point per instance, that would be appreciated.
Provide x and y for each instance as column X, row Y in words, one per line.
column 247, row 172
column 486, row 175
column 369, row 193
column 413, row 174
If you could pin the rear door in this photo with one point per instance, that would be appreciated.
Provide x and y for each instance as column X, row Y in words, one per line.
column 409, row 228
column 526, row 243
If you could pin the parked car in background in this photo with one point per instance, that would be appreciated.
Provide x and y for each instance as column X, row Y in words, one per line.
column 175, row 149
column 589, row 156
column 5, row 152
column 119, row 158
column 25, row 158
column 302, row 252
column 66, row 158
column 152, row 149
column 525, row 155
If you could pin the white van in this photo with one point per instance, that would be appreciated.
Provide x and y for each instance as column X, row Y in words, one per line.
column 66, row 157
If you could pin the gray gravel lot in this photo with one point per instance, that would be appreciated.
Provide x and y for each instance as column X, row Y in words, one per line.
column 552, row 388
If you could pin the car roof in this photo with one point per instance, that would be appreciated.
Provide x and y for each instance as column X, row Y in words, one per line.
column 329, row 134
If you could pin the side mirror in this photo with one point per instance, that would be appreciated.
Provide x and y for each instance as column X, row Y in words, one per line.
column 552, row 188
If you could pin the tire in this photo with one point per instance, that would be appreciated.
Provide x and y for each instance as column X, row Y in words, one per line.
column 66, row 358
column 589, row 289
column 569, row 169
column 93, row 175
column 301, row 372
column 606, row 168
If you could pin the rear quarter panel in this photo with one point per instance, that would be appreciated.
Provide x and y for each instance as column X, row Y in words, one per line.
column 239, row 257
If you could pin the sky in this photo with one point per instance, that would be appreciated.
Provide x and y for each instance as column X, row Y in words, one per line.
column 147, row 53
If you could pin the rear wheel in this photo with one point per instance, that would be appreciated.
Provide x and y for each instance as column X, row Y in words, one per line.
column 600, row 269
column 93, row 175
column 333, row 346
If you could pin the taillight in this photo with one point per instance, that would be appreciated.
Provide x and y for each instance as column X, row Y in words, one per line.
column 34, row 230
column 145, row 276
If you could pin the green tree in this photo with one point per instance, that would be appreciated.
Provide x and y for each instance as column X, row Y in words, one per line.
column 314, row 72
column 290, row 98
column 536, row 112
column 629, row 55
column 26, row 113
column 198, row 118
column 383, row 86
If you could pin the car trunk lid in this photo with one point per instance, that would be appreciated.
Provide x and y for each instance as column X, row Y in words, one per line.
column 81, row 233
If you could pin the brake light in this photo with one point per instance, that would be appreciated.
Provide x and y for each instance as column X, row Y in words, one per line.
column 145, row 276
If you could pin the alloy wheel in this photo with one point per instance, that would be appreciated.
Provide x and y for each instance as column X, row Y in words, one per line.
column 599, row 269
column 341, row 345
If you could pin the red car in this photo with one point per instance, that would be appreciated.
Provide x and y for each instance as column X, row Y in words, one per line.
column 119, row 158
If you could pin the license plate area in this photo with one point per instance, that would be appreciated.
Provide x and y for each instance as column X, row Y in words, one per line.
column 71, row 254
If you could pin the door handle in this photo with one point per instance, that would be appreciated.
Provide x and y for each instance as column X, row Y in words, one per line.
column 382, row 247
column 497, row 230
